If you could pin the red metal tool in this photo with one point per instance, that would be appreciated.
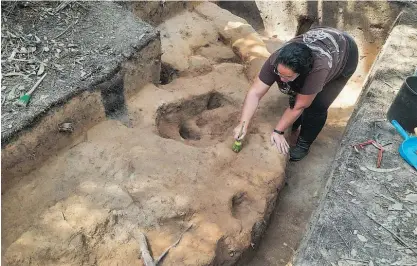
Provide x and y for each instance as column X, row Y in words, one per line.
column 376, row 145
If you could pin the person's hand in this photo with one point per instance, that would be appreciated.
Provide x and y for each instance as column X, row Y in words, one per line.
column 279, row 142
column 238, row 130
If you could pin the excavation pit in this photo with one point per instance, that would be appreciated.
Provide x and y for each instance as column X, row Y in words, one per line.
column 201, row 121
column 153, row 152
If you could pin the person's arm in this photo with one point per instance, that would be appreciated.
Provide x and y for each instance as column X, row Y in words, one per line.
column 291, row 115
column 253, row 97
column 312, row 86
column 287, row 119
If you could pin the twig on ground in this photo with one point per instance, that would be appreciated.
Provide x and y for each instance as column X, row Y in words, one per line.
column 81, row 5
column 146, row 255
column 143, row 244
column 389, row 85
column 173, row 245
column 397, row 199
column 359, row 222
column 363, row 261
column 378, row 170
column 344, row 241
column 70, row 26
column 62, row 5
column 395, row 236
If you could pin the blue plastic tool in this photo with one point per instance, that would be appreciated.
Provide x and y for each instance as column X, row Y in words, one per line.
column 408, row 148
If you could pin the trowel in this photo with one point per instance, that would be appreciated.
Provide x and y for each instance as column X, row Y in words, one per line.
column 408, row 148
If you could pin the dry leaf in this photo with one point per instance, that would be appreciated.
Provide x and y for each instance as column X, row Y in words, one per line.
column 395, row 185
column 396, row 207
column 13, row 54
column 355, row 201
column 41, row 69
column 11, row 34
column 362, row 238
column 37, row 39
column 415, row 231
column 11, row 95
column 411, row 198
column 11, row 74
column 46, row 49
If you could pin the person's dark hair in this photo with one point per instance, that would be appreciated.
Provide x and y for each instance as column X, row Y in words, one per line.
column 296, row 56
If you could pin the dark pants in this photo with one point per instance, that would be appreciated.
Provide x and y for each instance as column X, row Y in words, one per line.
column 314, row 117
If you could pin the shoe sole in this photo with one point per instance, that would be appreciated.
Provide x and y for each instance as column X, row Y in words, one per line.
column 298, row 159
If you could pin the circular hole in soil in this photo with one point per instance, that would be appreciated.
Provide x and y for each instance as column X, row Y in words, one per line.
column 200, row 121
column 168, row 74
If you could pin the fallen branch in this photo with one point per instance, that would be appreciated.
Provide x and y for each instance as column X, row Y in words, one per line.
column 146, row 255
column 173, row 245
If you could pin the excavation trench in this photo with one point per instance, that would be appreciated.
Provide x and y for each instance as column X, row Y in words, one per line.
column 157, row 156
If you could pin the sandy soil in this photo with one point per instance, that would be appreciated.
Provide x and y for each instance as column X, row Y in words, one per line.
column 166, row 165
column 169, row 165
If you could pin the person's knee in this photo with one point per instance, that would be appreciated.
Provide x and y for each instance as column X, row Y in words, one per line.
column 315, row 116
column 317, row 108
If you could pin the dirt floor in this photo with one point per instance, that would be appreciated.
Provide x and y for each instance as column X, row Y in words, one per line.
column 85, row 204
column 122, row 182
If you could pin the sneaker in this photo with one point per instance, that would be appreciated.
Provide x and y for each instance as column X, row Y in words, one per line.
column 300, row 150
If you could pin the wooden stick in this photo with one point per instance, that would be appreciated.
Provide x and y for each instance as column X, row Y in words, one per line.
column 341, row 236
column 143, row 244
column 146, row 255
column 59, row 35
column 63, row 5
column 173, row 245
column 363, row 261
column 36, row 85
column 386, row 83
column 395, row 236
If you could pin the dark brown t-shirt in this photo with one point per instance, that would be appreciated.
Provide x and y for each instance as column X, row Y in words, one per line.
column 330, row 54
